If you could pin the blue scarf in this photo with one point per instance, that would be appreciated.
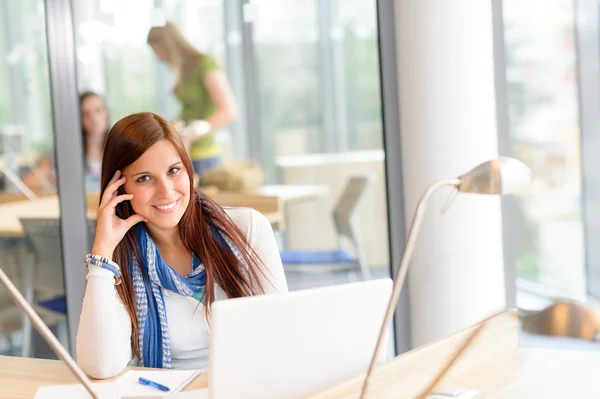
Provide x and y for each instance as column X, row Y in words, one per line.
column 153, row 334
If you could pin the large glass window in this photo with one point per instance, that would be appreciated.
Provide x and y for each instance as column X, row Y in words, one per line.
column 285, row 40
column 318, row 86
column 354, row 26
column 333, row 101
column 113, row 58
column 30, row 240
column 544, row 132
column 115, row 61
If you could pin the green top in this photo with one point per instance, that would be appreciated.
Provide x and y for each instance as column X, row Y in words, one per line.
column 197, row 104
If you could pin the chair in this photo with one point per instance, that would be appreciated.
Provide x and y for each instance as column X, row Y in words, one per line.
column 346, row 230
column 47, row 277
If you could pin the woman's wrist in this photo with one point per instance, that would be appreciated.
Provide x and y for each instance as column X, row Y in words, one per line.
column 103, row 252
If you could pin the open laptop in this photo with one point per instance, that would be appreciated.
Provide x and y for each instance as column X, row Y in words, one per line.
column 294, row 344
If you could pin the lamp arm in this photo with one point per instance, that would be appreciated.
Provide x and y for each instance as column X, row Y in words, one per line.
column 46, row 333
column 401, row 272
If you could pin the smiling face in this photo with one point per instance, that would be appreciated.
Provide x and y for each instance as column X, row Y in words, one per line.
column 160, row 185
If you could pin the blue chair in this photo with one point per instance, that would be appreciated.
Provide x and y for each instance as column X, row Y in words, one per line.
column 338, row 259
column 57, row 304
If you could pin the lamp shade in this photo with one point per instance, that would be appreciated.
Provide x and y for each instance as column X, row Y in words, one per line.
column 502, row 176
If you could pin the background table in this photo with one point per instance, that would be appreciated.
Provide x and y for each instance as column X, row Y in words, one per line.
column 48, row 207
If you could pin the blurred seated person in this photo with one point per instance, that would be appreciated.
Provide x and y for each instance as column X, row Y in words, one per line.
column 94, row 128
column 207, row 102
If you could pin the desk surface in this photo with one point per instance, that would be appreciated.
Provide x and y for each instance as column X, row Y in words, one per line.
column 537, row 373
column 21, row 377
column 493, row 365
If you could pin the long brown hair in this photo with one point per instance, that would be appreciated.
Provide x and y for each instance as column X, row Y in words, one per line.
column 128, row 139
column 180, row 54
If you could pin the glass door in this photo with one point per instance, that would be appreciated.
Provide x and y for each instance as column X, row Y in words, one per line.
column 30, row 235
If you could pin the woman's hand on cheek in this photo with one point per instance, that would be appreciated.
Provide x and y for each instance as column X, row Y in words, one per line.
column 110, row 229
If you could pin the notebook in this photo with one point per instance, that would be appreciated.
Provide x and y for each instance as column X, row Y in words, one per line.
column 126, row 385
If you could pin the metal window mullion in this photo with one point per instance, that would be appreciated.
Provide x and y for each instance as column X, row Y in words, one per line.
column 16, row 77
column 162, row 79
column 233, row 27
column 587, row 39
column 508, row 204
column 256, row 135
column 386, row 22
column 338, row 71
column 69, row 155
column 326, row 77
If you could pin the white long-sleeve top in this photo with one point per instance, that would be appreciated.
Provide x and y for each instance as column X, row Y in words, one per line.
column 103, row 339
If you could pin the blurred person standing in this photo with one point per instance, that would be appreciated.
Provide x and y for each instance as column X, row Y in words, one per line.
column 95, row 123
column 207, row 102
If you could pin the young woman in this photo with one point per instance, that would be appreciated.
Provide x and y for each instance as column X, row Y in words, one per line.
column 162, row 254
column 207, row 102
column 94, row 128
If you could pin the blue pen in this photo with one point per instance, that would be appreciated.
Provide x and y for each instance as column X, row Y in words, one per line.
column 153, row 384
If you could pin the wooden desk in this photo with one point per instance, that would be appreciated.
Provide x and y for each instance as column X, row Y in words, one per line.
column 493, row 365
column 21, row 377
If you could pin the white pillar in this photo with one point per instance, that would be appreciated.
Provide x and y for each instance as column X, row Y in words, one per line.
column 448, row 125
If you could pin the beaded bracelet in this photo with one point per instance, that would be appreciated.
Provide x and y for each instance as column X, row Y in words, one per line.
column 104, row 263
column 104, row 260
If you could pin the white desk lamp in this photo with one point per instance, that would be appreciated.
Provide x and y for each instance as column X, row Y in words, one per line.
column 499, row 176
